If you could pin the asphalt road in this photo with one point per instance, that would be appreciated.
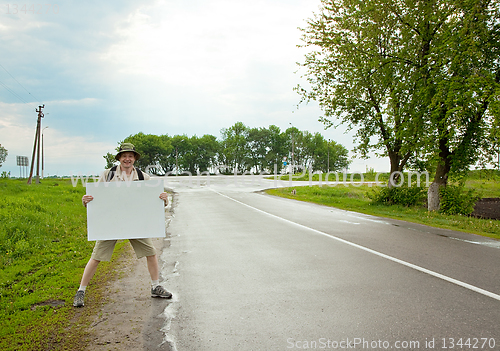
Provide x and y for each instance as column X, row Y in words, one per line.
column 255, row 272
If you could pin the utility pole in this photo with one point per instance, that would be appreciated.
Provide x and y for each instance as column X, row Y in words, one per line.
column 42, row 150
column 176, row 163
column 36, row 147
column 176, row 160
column 328, row 167
column 293, row 146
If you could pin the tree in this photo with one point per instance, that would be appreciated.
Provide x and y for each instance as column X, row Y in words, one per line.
column 3, row 154
column 188, row 157
column 199, row 154
column 330, row 156
column 295, row 148
column 207, row 150
column 110, row 160
column 463, row 81
column 277, row 149
column 258, row 140
column 355, row 75
column 234, row 149
column 419, row 76
column 169, row 161
column 152, row 149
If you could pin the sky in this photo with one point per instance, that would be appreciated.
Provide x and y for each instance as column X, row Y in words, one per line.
column 107, row 70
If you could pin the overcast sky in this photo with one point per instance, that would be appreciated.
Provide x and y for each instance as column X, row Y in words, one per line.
column 106, row 70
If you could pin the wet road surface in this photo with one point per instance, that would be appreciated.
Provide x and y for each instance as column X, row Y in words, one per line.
column 254, row 272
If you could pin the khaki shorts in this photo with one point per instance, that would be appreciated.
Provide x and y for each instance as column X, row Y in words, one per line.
column 103, row 249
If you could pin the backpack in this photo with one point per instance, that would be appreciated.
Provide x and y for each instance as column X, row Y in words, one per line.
column 112, row 172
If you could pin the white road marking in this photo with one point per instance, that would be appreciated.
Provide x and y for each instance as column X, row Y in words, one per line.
column 397, row 260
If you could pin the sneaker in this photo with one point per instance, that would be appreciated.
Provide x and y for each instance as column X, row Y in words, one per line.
column 160, row 291
column 78, row 301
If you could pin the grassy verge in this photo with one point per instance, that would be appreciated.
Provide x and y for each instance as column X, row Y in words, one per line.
column 354, row 198
column 43, row 250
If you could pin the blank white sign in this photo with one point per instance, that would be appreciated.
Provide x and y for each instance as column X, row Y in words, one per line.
column 125, row 210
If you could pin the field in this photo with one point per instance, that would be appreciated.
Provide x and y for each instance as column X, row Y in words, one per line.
column 43, row 250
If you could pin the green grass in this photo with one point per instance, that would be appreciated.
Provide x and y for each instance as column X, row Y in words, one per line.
column 43, row 250
column 485, row 188
column 354, row 198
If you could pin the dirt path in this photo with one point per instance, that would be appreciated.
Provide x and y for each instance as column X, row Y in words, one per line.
column 130, row 319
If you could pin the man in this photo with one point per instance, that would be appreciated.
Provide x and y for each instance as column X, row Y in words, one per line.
column 103, row 250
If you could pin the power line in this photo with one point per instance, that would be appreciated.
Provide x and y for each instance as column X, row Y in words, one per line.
column 13, row 93
column 5, row 69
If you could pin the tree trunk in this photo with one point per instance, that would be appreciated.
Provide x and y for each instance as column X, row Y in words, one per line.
column 433, row 197
column 397, row 165
column 433, row 191
column 441, row 176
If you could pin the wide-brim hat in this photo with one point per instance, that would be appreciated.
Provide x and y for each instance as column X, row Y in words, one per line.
column 127, row 147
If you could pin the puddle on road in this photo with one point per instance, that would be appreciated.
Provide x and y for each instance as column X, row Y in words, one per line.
column 344, row 221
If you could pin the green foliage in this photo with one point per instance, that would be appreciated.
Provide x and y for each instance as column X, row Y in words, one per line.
column 234, row 148
column 247, row 149
column 260, row 149
column 110, row 160
column 419, row 81
column 358, row 70
column 403, row 195
column 189, row 154
column 152, row 148
column 456, row 200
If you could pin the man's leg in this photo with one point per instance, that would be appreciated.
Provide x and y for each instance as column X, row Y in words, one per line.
column 153, row 268
column 154, row 271
column 88, row 273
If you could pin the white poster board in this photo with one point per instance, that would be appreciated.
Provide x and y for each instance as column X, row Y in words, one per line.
column 125, row 210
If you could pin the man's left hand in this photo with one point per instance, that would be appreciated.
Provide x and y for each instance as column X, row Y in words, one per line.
column 164, row 197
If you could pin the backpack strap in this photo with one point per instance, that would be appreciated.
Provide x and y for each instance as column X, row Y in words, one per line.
column 112, row 172
column 140, row 174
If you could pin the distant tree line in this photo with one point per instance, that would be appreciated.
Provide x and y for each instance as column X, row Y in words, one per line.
column 240, row 148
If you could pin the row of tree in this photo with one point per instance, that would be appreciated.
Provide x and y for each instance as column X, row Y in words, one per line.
column 419, row 80
column 240, row 148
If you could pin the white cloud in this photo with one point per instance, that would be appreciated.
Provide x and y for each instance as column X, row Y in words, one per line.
column 74, row 102
column 106, row 70
column 208, row 46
